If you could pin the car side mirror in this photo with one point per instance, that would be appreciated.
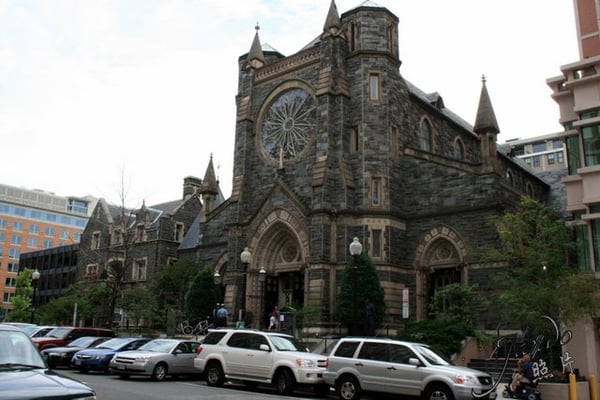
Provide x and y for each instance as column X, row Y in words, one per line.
column 264, row 347
column 414, row 361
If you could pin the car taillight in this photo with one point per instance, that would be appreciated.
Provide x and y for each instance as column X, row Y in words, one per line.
column 199, row 350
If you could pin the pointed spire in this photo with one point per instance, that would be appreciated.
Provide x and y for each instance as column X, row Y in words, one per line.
column 485, row 122
column 332, row 23
column 210, row 183
column 256, row 58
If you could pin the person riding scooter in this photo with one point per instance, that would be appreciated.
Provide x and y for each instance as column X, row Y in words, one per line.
column 523, row 382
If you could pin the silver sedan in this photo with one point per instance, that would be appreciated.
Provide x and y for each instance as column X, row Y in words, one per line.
column 157, row 359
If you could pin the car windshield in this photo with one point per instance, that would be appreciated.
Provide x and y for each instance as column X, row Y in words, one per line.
column 431, row 356
column 286, row 343
column 113, row 344
column 58, row 332
column 159, row 345
column 17, row 351
column 82, row 342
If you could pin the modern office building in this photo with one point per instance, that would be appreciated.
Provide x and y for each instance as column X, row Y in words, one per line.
column 34, row 220
column 541, row 153
column 577, row 92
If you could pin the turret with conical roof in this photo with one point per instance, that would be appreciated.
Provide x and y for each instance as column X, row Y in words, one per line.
column 332, row 22
column 256, row 57
column 486, row 127
column 210, row 188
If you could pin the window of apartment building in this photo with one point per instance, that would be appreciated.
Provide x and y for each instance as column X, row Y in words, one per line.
column 537, row 161
column 376, row 192
column 10, row 282
column 95, row 241
column 2, row 237
column 13, row 267
column 376, row 242
column 550, row 158
column 138, row 272
column 64, row 234
column 140, row 232
column 16, row 240
column 178, row 232
column 591, row 144
column 557, row 144
column 560, row 158
column 374, row 87
column 527, row 161
column 3, row 223
column 426, row 135
column 573, row 154
column 459, row 149
column 538, row 147
column 77, row 236
column 32, row 242
column 34, row 229
column 6, row 297
column 18, row 226
column 48, row 244
column 14, row 253
column 49, row 231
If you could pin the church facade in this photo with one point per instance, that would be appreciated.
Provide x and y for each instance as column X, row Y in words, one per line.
column 332, row 143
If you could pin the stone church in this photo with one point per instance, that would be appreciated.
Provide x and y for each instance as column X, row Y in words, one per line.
column 332, row 143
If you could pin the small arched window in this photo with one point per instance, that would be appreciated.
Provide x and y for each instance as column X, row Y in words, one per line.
column 459, row 149
column 426, row 135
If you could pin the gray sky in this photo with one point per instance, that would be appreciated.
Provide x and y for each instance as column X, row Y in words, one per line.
column 98, row 91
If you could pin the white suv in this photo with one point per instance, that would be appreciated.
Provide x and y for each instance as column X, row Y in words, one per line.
column 411, row 369
column 255, row 357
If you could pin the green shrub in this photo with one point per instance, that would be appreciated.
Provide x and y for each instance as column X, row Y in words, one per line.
column 444, row 336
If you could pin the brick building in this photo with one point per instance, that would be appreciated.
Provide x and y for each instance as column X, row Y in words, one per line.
column 332, row 143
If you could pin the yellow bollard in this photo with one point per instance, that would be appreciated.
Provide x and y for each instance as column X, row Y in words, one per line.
column 572, row 387
column 593, row 387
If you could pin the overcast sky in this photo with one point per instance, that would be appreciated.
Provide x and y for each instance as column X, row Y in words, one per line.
column 93, row 92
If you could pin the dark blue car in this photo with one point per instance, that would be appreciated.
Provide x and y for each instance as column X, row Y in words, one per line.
column 97, row 359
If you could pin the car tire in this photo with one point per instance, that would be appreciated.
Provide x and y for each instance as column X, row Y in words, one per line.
column 321, row 390
column 160, row 372
column 439, row 392
column 348, row 388
column 214, row 374
column 284, row 382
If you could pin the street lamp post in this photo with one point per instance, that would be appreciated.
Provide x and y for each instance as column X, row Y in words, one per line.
column 35, row 276
column 355, row 251
column 217, row 280
column 262, row 276
column 246, row 258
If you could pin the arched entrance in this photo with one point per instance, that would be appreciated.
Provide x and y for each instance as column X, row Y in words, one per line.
column 281, row 250
column 440, row 261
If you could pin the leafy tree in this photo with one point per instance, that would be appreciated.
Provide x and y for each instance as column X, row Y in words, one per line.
column 22, row 300
column 540, row 279
column 454, row 302
column 169, row 285
column 201, row 295
column 360, row 284
column 445, row 336
column 140, row 304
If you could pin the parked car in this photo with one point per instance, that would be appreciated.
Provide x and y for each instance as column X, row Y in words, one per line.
column 380, row 365
column 255, row 357
column 63, row 335
column 24, row 375
column 98, row 358
column 61, row 356
column 38, row 330
column 157, row 359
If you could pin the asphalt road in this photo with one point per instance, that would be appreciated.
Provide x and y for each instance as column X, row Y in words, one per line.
column 111, row 387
